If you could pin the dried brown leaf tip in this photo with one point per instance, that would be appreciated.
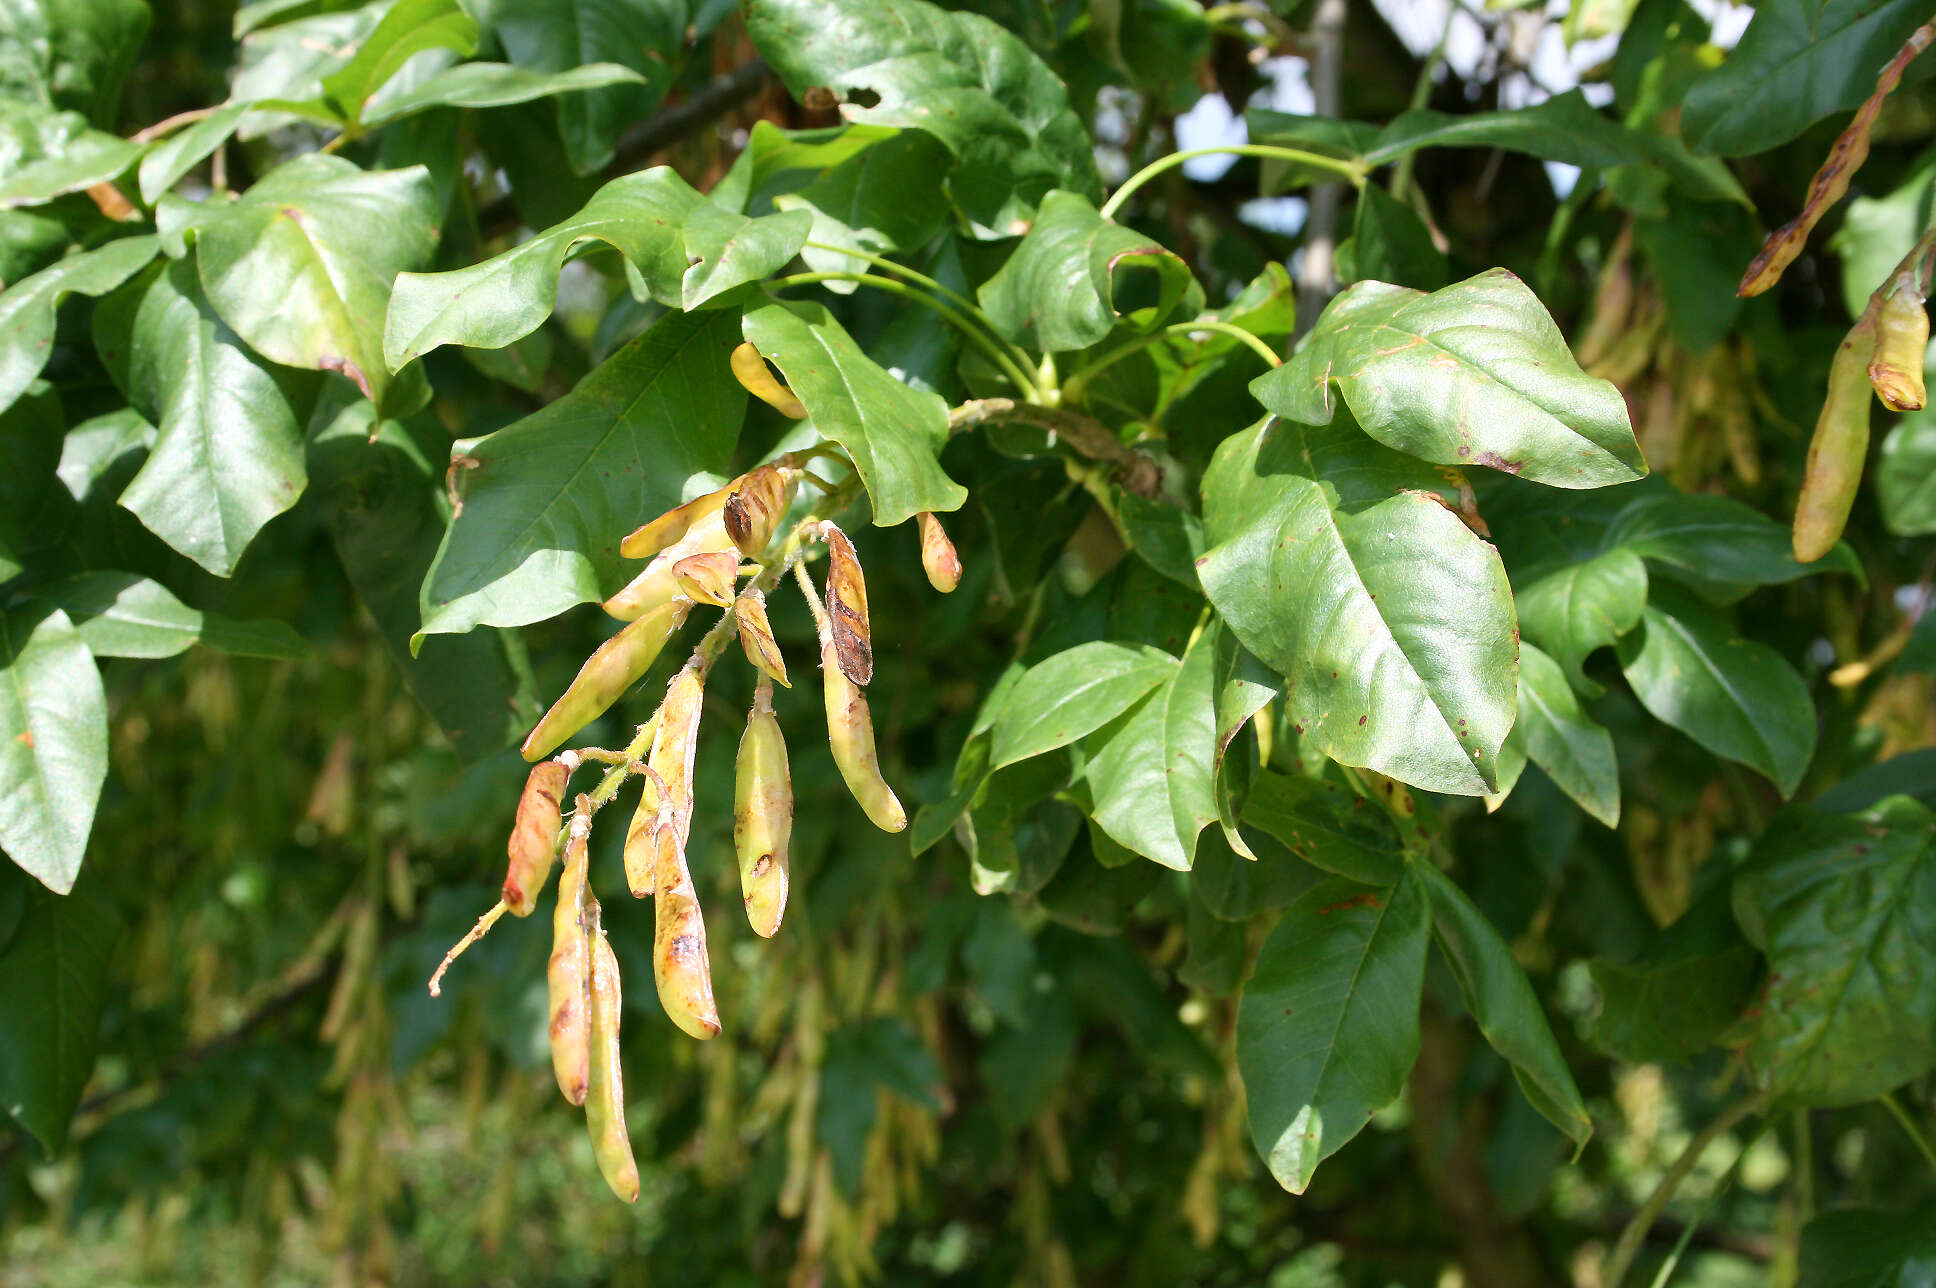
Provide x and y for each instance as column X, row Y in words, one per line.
column 853, row 639
column 756, row 636
column 1832, row 180
column 1902, row 340
column 938, row 557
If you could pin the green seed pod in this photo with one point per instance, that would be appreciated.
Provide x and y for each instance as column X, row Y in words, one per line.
column 605, row 1097
column 1902, row 340
column 708, row 578
column 938, row 557
column 568, row 974
column 850, row 732
column 667, row 798
column 534, row 836
column 847, row 606
column 1837, row 451
column 759, row 498
column 756, row 635
column 615, row 667
column 762, row 815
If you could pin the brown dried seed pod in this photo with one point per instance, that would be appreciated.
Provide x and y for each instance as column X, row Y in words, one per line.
column 709, row 578
column 680, row 966
column 534, row 836
column 847, row 606
column 938, row 557
column 615, row 667
column 568, row 974
column 671, row 763
column 756, row 635
column 605, row 1096
column 759, row 498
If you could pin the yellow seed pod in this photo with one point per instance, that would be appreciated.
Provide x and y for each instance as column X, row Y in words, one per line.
column 758, row 500
column 568, row 973
column 673, row 527
column 708, row 578
column 853, row 637
column 1902, row 340
column 534, row 836
column 680, row 966
column 1397, row 797
column 938, row 557
column 1837, row 451
column 750, row 369
column 605, row 1095
column 616, row 666
column 762, row 815
column 667, row 798
column 756, row 635
column 850, row 733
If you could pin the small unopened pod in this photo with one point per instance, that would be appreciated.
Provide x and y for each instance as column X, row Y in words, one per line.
column 708, row 578
column 1837, row 452
column 667, row 798
column 534, row 836
column 616, row 666
column 938, row 557
column 756, row 636
column 659, row 581
column 605, row 1096
column 680, row 965
column 850, row 732
column 1902, row 340
column 750, row 369
column 853, row 637
column 762, row 815
column 568, row 974
column 758, row 501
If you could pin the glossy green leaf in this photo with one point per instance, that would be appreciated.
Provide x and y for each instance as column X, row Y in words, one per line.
column 90, row 158
column 1057, row 290
column 863, row 203
column 167, row 161
column 229, row 455
column 554, row 492
column 1798, row 61
column 1328, row 1026
column 32, row 506
column 553, row 36
column 1234, row 887
column 1718, row 546
column 53, row 988
column 70, row 54
column 27, row 307
column 971, row 83
column 1739, row 699
column 1073, row 693
column 123, row 614
column 725, row 249
column 496, row 85
column 1150, row 771
column 1912, row 773
column 1575, row 751
column 1906, row 476
column 408, row 28
column 1867, row 1247
column 286, row 64
column 1503, row 1004
column 893, row 433
column 1474, row 374
column 53, row 743
column 1844, row 908
column 1167, row 537
column 502, row 299
column 1572, row 611
column 1673, row 999
column 1391, row 621
column 1327, row 826
column 1390, row 243
column 301, row 265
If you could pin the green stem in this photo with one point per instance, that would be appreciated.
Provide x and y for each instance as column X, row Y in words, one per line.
column 953, row 316
column 1072, row 388
column 1911, row 1128
column 1804, row 1167
column 1422, row 91
column 1352, row 170
column 1707, row 1205
column 1636, row 1230
column 1246, row 338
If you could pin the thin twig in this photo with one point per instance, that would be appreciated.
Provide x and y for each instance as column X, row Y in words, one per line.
column 1135, row 472
column 1636, row 1230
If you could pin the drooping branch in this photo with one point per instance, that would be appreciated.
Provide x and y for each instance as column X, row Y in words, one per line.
column 1135, row 472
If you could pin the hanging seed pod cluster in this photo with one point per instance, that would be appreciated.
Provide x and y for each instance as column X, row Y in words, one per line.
column 696, row 556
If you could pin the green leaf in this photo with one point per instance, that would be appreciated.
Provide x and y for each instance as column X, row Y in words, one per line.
column 27, row 307
column 1502, row 1002
column 123, row 614
column 1718, row 546
column 1912, row 773
column 1150, row 771
column 1328, row 1025
column 1057, row 290
column 1234, row 887
column 70, row 53
column 1869, row 1248
column 1844, row 907
column 408, row 28
column 969, row 82
column 893, row 433
column 1167, row 537
column 1675, row 997
column 53, row 988
column 1574, row 610
column 725, row 249
column 1798, row 61
column 503, row 299
column 1392, row 622
column 286, row 64
column 1906, row 476
column 647, row 36
column 1390, row 243
column 1473, row 374
column 301, row 265
column 167, row 161
column 1073, row 693
column 90, row 158
column 229, row 456
column 32, row 503
column 862, row 203
column 495, row 85
column 1576, row 752
column 1739, row 699
column 1326, row 826
column 53, row 743
column 1877, row 231
column 553, row 493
